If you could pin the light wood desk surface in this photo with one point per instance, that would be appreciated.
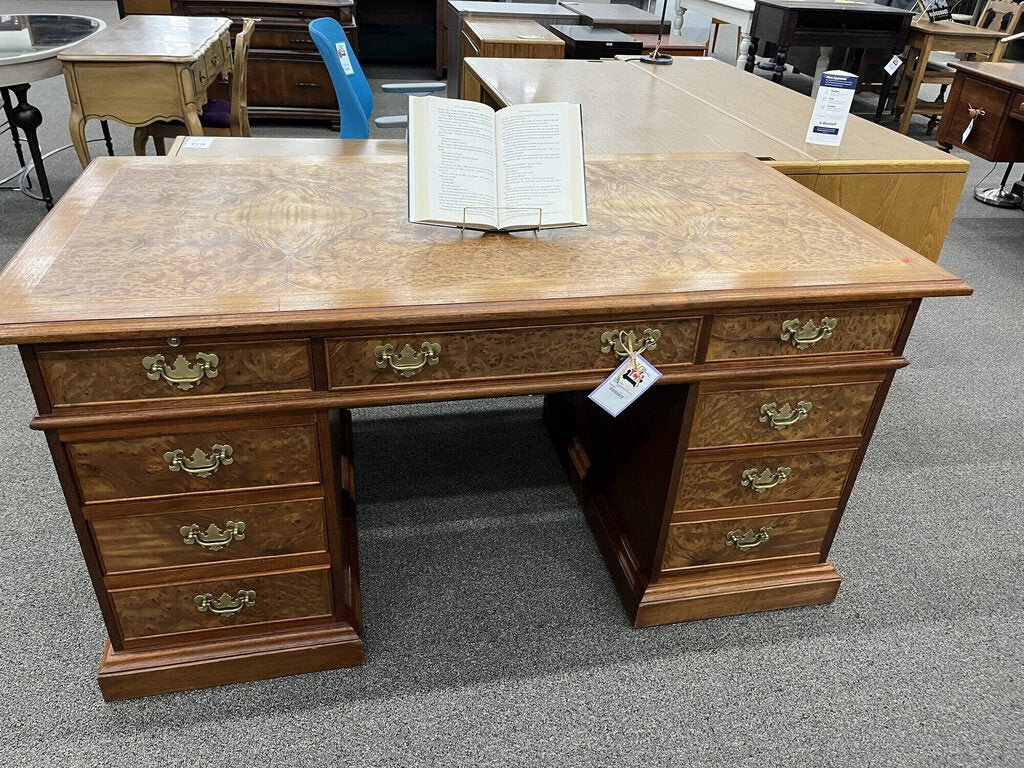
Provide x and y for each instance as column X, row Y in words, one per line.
column 235, row 146
column 304, row 289
column 165, row 38
column 905, row 188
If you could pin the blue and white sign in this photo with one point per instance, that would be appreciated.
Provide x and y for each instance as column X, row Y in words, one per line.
column 831, row 108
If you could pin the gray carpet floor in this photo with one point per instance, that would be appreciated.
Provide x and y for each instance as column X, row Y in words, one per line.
column 494, row 636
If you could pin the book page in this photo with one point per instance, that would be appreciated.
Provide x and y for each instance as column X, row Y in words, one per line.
column 451, row 161
column 540, row 164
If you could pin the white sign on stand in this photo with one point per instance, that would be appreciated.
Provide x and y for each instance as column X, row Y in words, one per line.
column 831, row 108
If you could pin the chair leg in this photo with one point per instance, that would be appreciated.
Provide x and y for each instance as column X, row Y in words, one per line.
column 139, row 141
column 161, row 148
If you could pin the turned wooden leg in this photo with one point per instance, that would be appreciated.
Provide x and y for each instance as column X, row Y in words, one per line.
column 106, row 137
column 751, row 53
column 677, row 23
column 780, row 65
column 5, row 94
column 28, row 118
column 819, row 67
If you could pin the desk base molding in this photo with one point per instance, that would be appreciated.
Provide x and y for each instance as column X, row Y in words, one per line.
column 130, row 674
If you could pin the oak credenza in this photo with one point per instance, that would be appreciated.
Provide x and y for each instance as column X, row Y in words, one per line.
column 194, row 349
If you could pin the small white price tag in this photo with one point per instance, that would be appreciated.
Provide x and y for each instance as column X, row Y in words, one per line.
column 626, row 384
column 198, row 142
column 894, row 63
column 346, row 62
column 967, row 131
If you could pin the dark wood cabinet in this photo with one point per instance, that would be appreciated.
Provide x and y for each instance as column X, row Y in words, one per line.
column 988, row 96
column 287, row 77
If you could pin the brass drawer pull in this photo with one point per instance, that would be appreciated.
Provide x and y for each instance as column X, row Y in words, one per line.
column 749, row 540
column 809, row 333
column 622, row 343
column 183, row 374
column 408, row 362
column 786, row 416
column 199, row 463
column 213, row 538
column 760, row 482
column 226, row 605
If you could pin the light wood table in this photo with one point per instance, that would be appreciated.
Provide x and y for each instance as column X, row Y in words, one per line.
column 236, row 146
column 926, row 37
column 905, row 188
column 144, row 69
column 292, row 290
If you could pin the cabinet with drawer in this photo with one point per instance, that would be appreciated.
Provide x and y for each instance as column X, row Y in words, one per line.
column 287, row 77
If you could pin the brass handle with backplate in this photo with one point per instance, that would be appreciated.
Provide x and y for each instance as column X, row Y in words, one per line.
column 226, row 605
column 623, row 343
column 408, row 362
column 183, row 374
column 213, row 538
column 784, row 416
column 760, row 482
column 749, row 540
column 809, row 333
column 199, row 463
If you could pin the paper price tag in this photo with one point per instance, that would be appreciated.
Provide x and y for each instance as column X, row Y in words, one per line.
column 198, row 142
column 967, row 131
column 625, row 385
column 894, row 63
column 346, row 62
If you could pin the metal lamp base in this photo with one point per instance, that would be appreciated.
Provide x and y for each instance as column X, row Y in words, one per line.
column 660, row 58
column 999, row 197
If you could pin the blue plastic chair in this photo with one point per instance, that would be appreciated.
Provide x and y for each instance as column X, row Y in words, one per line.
column 355, row 100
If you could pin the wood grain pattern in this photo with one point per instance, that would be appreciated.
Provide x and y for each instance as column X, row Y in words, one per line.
column 153, row 541
column 714, row 484
column 729, row 417
column 115, row 373
column 752, row 336
column 308, row 242
column 507, row 352
column 704, row 543
column 172, row 609
column 134, row 467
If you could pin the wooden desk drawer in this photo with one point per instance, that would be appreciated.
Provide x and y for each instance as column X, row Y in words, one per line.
column 727, row 482
column 172, row 609
column 139, row 467
column 297, row 80
column 1017, row 104
column 286, row 40
column 118, row 373
column 730, row 416
column 256, row 530
column 353, row 362
column 269, row 12
column 760, row 335
column 744, row 539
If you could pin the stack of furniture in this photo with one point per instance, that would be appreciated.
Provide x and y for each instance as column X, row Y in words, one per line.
column 287, row 78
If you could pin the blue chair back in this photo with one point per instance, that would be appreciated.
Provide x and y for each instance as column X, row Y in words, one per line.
column 355, row 101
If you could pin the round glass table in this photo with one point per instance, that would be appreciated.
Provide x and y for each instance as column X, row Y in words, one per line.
column 29, row 44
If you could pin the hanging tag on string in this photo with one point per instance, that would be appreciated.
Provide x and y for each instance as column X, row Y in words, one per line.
column 974, row 115
column 632, row 378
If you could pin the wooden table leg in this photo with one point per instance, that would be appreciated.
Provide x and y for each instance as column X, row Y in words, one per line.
column 28, row 118
column 5, row 94
column 780, row 64
column 192, row 124
column 751, row 53
column 914, row 87
column 76, row 126
column 106, row 137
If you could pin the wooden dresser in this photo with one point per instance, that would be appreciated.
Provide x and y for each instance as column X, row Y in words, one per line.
column 287, row 77
column 992, row 95
column 203, row 443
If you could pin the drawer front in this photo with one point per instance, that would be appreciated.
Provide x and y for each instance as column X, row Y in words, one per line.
column 726, row 483
column 731, row 417
column 760, row 335
column 269, row 12
column 294, row 82
column 744, row 539
column 159, row 371
column 284, row 40
column 171, row 609
column 1017, row 103
column 353, row 362
column 175, row 538
column 139, row 467
column 979, row 95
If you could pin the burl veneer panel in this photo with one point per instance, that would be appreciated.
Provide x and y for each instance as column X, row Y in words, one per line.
column 172, row 609
column 135, row 467
column 154, row 541
column 79, row 376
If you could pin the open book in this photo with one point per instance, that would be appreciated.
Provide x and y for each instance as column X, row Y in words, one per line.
column 516, row 168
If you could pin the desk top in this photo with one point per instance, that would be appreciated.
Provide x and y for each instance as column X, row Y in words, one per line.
column 698, row 105
column 1010, row 74
column 254, row 146
column 143, row 246
column 511, row 30
column 156, row 38
column 606, row 13
column 521, row 10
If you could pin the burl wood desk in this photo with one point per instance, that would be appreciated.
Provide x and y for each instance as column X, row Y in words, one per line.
column 193, row 348
column 144, row 69
column 901, row 186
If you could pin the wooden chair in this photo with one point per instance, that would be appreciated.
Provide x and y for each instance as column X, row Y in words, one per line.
column 219, row 117
column 998, row 16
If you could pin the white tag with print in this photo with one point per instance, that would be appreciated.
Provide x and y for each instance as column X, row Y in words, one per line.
column 967, row 131
column 625, row 385
column 346, row 62
column 894, row 63
column 198, row 142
